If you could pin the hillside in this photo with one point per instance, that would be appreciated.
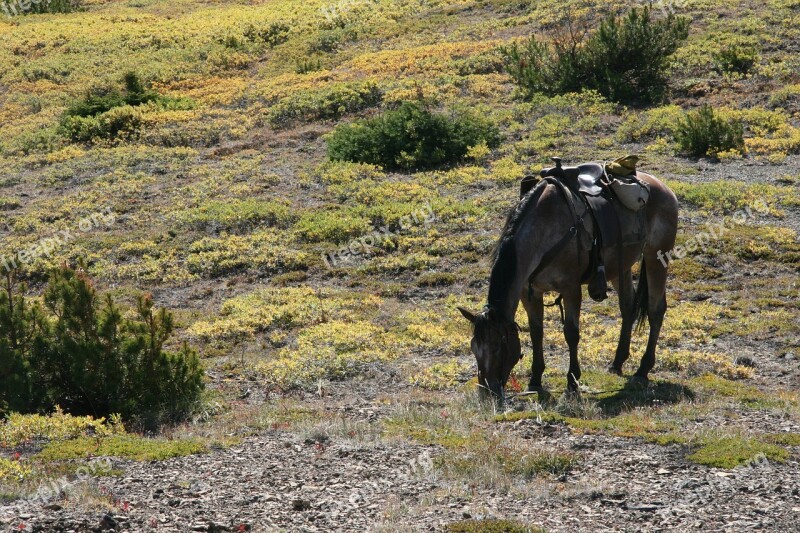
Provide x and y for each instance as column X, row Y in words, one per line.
column 340, row 391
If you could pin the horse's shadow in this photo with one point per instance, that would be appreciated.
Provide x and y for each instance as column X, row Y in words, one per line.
column 634, row 393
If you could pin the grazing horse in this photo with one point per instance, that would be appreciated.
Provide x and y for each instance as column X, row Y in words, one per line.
column 530, row 259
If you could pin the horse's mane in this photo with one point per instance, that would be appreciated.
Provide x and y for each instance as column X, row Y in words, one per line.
column 504, row 253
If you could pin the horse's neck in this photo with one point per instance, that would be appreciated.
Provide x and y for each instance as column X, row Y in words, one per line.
column 505, row 283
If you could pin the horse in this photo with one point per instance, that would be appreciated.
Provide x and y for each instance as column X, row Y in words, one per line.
column 530, row 259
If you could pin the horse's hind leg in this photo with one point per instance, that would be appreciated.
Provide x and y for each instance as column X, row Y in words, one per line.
column 572, row 313
column 625, row 290
column 535, row 309
column 656, row 308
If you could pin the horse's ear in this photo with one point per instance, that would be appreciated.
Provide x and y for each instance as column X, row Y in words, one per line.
column 467, row 314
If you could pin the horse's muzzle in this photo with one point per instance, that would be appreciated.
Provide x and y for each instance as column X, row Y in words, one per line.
column 495, row 390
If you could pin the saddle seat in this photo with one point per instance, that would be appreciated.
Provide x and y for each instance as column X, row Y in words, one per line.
column 586, row 178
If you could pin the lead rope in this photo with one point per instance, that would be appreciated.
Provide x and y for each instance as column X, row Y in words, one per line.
column 558, row 302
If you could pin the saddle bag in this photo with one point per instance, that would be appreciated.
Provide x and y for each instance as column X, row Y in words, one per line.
column 631, row 192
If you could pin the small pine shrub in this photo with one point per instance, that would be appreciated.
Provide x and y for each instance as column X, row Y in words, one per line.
column 305, row 66
column 77, row 350
column 411, row 137
column 735, row 58
column 625, row 59
column 703, row 132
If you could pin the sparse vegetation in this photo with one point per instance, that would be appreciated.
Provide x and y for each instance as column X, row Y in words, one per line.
column 490, row 525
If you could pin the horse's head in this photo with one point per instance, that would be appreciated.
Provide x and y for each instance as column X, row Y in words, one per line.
column 495, row 343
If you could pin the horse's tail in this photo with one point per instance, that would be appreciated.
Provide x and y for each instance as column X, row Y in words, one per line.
column 641, row 297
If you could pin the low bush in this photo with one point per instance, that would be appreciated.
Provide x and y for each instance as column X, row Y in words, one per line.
column 108, row 113
column 411, row 137
column 271, row 35
column 703, row 132
column 625, row 59
column 337, row 226
column 77, row 350
column 239, row 215
column 735, row 58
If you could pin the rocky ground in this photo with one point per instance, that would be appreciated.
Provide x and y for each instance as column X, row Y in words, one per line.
column 278, row 482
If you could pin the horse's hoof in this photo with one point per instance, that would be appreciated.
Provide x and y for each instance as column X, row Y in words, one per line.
column 614, row 370
column 535, row 388
column 640, row 379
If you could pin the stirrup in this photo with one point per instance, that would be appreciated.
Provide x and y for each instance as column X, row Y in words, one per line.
column 598, row 286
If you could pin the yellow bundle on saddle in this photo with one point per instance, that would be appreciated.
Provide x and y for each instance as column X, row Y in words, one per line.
column 623, row 166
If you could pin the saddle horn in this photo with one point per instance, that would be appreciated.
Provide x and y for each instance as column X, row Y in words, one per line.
column 557, row 171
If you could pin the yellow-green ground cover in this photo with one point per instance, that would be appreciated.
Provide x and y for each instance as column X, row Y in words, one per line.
column 226, row 208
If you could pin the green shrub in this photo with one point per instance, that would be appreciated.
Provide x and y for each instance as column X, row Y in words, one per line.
column 411, row 137
column 735, row 58
column 702, row 132
column 625, row 59
column 77, row 350
column 116, row 123
column 272, row 35
column 306, row 65
column 329, row 40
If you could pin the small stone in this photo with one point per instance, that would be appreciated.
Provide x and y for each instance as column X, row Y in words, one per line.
column 301, row 505
column 107, row 522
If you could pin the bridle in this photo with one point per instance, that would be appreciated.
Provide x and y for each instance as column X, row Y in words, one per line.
column 505, row 323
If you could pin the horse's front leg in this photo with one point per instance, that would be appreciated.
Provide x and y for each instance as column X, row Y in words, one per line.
column 535, row 309
column 572, row 314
